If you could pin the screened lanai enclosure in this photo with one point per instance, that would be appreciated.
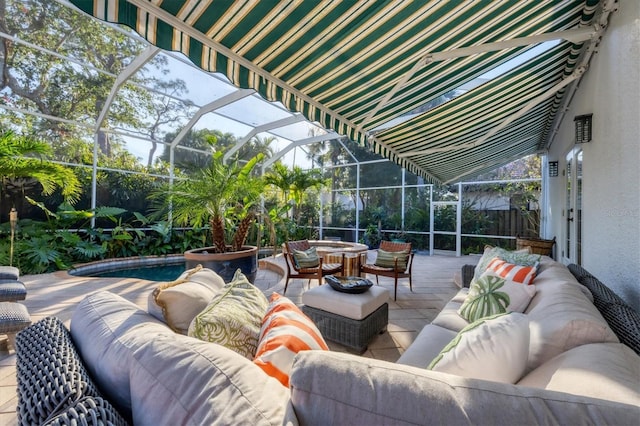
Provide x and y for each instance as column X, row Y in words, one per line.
column 421, row 121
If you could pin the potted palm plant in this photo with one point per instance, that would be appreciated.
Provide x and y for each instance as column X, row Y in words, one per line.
column 222, row 195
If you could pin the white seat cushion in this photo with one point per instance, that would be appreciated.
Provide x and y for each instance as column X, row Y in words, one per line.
column 599, row 370
column 179, row 380
column 449, row 317
column 354, row 306
column 431, row 340
column 107, row 329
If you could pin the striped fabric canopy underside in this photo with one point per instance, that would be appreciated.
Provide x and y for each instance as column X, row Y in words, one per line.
column 353, row 66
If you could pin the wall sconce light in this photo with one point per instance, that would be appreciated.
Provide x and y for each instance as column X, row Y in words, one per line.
column 583, row 128
column 553, row 169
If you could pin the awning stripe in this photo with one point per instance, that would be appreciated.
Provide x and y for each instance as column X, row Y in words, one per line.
column 335, row 61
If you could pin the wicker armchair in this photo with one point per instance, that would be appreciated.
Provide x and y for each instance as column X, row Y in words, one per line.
column 394, row 272
column 315, row 273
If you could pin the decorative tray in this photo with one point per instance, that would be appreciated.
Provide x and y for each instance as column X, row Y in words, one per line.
column 353, row 285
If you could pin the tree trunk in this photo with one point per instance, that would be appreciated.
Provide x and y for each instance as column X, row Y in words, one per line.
column 217, row 232
column 242, row 232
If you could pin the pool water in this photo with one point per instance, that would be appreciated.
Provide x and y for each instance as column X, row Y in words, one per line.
column 152, row 273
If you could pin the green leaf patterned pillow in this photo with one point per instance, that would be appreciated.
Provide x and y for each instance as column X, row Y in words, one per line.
column 306, row 258
column 387, row 259
column 491, row 295
column 233, row 317
column 484, row 299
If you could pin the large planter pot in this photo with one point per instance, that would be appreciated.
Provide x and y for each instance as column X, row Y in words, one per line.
column 225, row 264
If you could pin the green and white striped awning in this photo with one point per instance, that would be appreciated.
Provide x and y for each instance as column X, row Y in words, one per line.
column 353, row 66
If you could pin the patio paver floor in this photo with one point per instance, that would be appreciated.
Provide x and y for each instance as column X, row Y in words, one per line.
column 433, row 285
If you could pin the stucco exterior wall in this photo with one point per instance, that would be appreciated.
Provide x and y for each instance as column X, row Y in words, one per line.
column 610, row 90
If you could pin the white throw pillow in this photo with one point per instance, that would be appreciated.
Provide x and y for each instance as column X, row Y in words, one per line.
column 494, row 348
column 178, row 302
column 492, row 294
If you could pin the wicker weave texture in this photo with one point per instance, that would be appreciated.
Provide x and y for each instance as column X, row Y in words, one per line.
column 53, row 384
column 355, row 334
column 13, row 317
column 9, row 273
column 12, row 290
column 622, row 318
column 467, row 274
column 536, row 245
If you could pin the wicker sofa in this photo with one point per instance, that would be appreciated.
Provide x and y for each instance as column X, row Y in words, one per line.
column 159, row 377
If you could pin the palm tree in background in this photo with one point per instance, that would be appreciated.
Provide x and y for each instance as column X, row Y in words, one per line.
column 23, row 165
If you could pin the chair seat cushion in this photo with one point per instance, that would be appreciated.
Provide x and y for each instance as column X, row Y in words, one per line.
column 375, row 268
column 326, row 268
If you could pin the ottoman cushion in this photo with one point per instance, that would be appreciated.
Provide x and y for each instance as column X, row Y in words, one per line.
column 12, row 290
column 9, row 273
column 13, row 317
column 354, row 306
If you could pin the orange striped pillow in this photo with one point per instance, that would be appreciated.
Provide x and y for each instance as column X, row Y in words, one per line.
column 509, row 271
column 285, row 331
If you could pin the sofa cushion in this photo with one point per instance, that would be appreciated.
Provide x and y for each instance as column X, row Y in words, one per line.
column 285, row 331
column 449, row 317
column 491, row 294
column 562, row 317
column 518, row 257
column 233, row 317
column 106, row 329
column 329, row 388
column 518, row 273
column 426, row 346
column 494, row 348
column 47, row 359
column 600, row 370
column 178, row 380
column 179, row 301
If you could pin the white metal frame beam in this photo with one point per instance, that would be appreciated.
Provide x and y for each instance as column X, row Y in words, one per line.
column 513, row 117
column 301, row 142
column 155, row 10
column 212, row 106
column 574, row 36
column 295, row 118
column 124, row 75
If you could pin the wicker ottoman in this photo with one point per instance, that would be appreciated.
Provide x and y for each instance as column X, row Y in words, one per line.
column 12, row 291
column 13, row 318
column 9, row 273
column 349, row 319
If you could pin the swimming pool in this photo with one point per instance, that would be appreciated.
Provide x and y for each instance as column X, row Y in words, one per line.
column 153, row 269
column 152, row 273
